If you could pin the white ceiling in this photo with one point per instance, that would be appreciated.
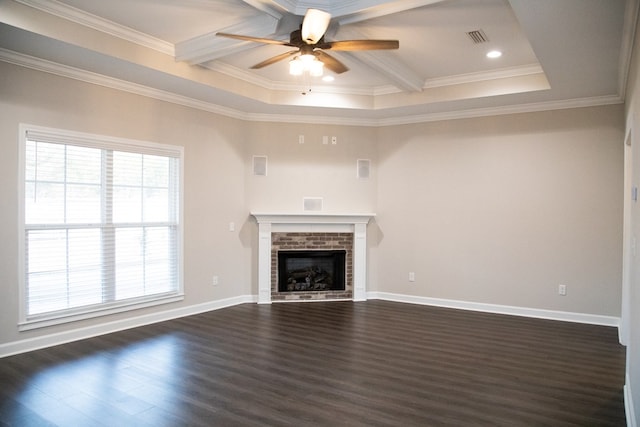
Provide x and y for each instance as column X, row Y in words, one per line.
column 556, row 54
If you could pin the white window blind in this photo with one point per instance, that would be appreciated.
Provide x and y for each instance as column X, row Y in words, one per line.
column 101, row 226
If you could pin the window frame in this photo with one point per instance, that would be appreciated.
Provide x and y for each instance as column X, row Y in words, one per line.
column 67, row 137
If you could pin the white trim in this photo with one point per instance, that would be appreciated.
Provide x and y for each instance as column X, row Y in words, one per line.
column 30, row 344
column 627, row 234
column 22, row 294
column 92, row 140
column 265, row 83
column 251, row 78
column 501, row 73
column 502, row 110
column 103, row 142
column 629, row 407
column 565, row 316
column 137, row 89
column 313, row 218
column 208, row 47
column 91, row 313
column 269, row 223
column 350, row 12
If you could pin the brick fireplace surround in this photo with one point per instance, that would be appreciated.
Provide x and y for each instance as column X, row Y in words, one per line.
column 311, row 241
column 312, row 231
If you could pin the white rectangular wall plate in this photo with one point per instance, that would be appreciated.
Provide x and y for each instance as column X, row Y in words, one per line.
column 312, row 204
column 260, row 165
column 363, row 168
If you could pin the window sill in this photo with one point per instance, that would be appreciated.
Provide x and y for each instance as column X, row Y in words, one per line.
column 43, row 321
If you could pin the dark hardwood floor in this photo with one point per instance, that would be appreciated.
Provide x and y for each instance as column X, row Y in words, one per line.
column 371, row 363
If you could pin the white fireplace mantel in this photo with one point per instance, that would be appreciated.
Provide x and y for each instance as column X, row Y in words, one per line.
column 312, row 222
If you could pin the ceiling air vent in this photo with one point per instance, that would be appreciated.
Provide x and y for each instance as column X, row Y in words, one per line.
column 478, row 36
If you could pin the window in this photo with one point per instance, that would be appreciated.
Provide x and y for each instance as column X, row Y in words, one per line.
column 100, row 225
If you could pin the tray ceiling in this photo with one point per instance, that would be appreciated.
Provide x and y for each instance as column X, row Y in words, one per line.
column 556, row 54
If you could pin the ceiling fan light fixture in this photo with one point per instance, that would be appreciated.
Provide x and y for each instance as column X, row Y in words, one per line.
column 314, row 25
column 296, row 67
column 307, row 59
column 316, row 68
column 306, row 63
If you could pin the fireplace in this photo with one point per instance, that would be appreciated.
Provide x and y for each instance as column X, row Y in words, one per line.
column 312, row 232
column 307, row 271
column 311, row 266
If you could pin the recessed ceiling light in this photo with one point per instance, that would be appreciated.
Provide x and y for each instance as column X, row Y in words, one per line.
column 328, row 79
column 494, row 54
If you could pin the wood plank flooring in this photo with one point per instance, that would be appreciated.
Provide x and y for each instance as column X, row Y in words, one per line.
column 373, row 363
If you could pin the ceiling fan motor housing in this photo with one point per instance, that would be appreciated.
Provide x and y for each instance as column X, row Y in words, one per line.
column 295, row 39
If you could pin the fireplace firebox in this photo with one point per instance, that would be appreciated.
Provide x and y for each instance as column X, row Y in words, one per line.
column 312, row 270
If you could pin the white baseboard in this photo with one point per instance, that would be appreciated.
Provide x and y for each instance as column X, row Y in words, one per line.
column 628, row 404
column 593, row 319
column 22, row 346
column 30, row 344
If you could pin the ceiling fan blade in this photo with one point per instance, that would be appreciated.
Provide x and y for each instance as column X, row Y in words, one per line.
column 314, row 25
column 274, row 59
column 330, row 62
column 353, row 45
column 253, row 39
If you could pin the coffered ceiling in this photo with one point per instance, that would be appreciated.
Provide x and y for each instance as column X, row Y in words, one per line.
column 555, row 54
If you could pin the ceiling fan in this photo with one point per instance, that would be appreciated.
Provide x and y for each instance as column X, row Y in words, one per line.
column 310, row 43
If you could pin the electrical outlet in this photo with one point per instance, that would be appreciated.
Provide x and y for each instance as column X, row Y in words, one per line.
column 215, row 280
column 412, row 276
column 562, row 290
column 334, row 140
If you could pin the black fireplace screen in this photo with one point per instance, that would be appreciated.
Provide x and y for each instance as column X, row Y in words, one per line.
column 311, row 271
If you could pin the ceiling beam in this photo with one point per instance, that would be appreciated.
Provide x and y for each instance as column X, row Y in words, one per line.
column 272, row 8
column 347, row 10
column 386, row 63
column 208, row 46
column 362, row 10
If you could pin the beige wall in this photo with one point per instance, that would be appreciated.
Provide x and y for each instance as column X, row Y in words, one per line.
column 312, row 169
column 492, row 210
column 502, row 210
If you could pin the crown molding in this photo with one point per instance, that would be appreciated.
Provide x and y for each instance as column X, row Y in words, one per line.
column 502, row 73
column 262, row 82
column 137, row 89
column 348, row 11
column 254, row 79
column 78, row 16
column 271, row 8
column 239, row 73
column 503, row 110
column 357, row 11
